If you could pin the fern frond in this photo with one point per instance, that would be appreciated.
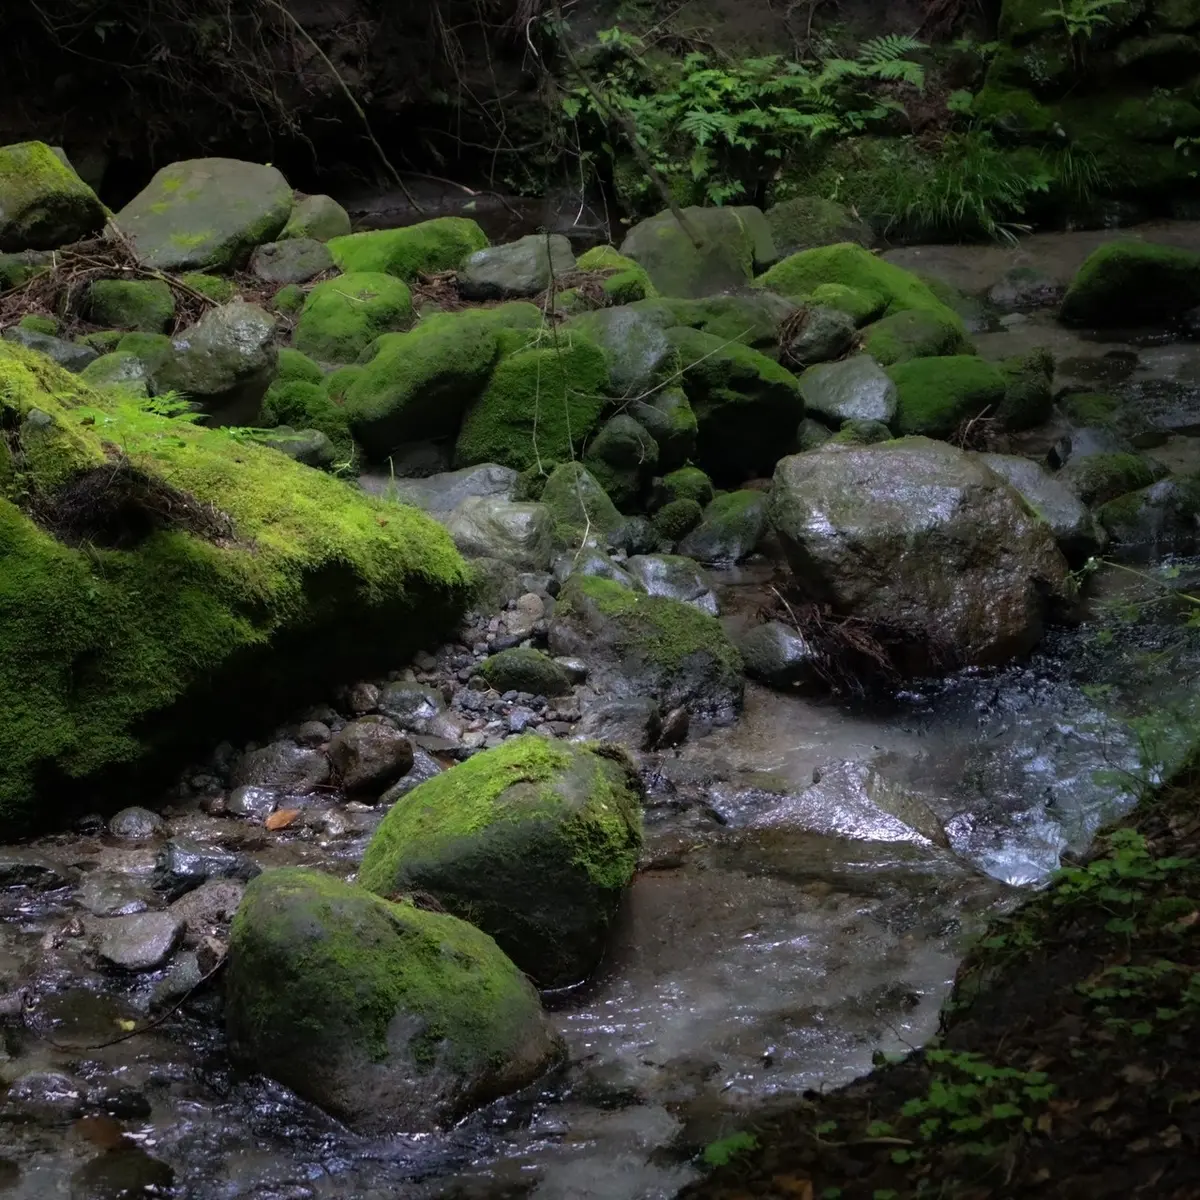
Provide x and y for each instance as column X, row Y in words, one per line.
column 889, row 48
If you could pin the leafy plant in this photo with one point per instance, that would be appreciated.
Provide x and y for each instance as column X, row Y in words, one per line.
column 1082, row 19
column 712, row 124
column 723, row 1151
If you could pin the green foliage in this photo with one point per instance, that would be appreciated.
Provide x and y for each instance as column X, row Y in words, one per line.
column 716, row 123
column 1082, row 19
column 723, row 1151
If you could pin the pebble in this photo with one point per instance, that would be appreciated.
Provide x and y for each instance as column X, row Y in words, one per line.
column 254, row 803
column 140, row 942
column 137, row 825
column 312, row 733
column 520, row 719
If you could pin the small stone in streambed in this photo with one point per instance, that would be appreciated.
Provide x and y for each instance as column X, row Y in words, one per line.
column 675, row 727
column 22, row 868
column 126, row 1171
column 48, row 1096
column 182, row 976
column 411, row 705
column 182, row 866
column 208, row 908
column 283, row 765
column 362, row 698
column 424, row 767
column 254, row 803
column 636, row 723
column 125, row 1103
column 137, row 825
column 370, row 754
column 313, row 734
column 105, row 894
column 140, row 942
column 576, row 669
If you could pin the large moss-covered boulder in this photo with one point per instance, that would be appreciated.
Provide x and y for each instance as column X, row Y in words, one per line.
column 855, row 389
column 914, row 321
column 205, row 212
column 182, row 564
column 731, row 528
column 224, row 362
column 1130, row 283
column 747, row 406
column 579, row 505
column 540, row 405
column 623, row 456
column 343, row 316
column 622, row 281
column 318, row 217
column 936, row 395
column 535, row 841
column 806, row 222
column 425, row 248
column 417, row 384
column 407, row 1019
column 143, row 305
column 638, row 645
column 924, row 544
column 526, row 267
column 43, row 203
column 753, row 317
column 718, row 249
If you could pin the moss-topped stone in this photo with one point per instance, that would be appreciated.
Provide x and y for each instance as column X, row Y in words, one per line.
column 860, row 304
column 118, row 369
column 522, row 670
column 427, row 247
column 1129, row 283
column 141, row 305
column 536, row 841
column 668, row 417
column 205, row 213
column 676, row 519
column 1028, row 390
column 318, row 217
column 343, row 316
column 688, row 483
column 43, row 203
column 754, row 319
column 306, row 405
column 637, row 645
column 408, row 1019
column 639, row 354
column 936, row 395
column 581, row 508
column 622, row 280
column 903, row 336
column 1099, row 478
column 170, row 593
column 806, row 222
column 716, row 249
column 747, row 406
column 623, row 456
column 730, row 530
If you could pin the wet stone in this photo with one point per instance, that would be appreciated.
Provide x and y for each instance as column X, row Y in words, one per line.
column 45, row 1096
column 124, row 1173
column 370, row 754
column 137, row 825
column 208, row 908
column 576, row 669
column 411, row 705
column 182, row 976
column 254, row 803
column 285, row 766
column 313, row 734
column 520, row 719
column 635, row 723
column 127, row 1103
column 140, row 942
column 104, row 894
column 22, row 868
column 182, row 866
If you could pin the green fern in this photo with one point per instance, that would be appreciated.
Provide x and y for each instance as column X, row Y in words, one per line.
column 890, row 48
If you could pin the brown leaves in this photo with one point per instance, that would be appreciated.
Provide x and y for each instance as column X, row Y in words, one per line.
column 281, row 818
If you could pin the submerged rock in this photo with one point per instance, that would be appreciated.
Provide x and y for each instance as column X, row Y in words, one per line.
column 925, row 544
column 408, row 1019
column 535, row 841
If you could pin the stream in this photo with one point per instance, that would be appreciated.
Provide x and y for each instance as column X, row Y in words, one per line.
column 810, row 879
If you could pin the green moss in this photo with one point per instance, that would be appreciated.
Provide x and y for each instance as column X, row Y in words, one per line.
column 860, row 305
column 578, row 503
column 1092, row 408
column 289, row 300
column 43, row 203
column 542, row 404
column 624, row 280
column 437, row 245
column 861, row 433
column 524, row 670
column 1127, row 282
column 296, row 366
column 104, row 341
column 1014, row 111
column 1103, row 477
column 119, row 369
column 1155, row 118
column 417, row 384
column 39, row 323
column 114, row 657
column 152, row 348
column 1021, row 20
column 212, row 287
column 1028, row 391
column 661, row 631
column 146, row 305
column 622, row 456
column 342, row 316
column 937, row 394
column 753, row 320
column 304, row 405
column 908, row 335
column 805, row 222
column 676, row 519
column 343, row 963
column 688, row 483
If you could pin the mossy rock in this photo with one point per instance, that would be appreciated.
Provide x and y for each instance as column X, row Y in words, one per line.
column 205, row 213
column 1155, row 118
column 342, row 316
column 676, row 519
column 289, row 300
column 296, row 366
column 154, row 349
column 212, row 287
column 668, row 417
column 408, row 1019
column 639, row 354
column 806, row 222
column 623, row 456
column 688, row 483
column 747, row 406
column 417, row 384
column 141, row 305
column 1028, row 392
column 72, row 355
column 430, row 246
column 308, row 446
column 580, row 506
column 320, row 218
column 860, row 305
column 1021, row 20
column 641, row 645
column 536, row 841
column 208, row 585
column 541, row 404
column 303, row 404
column 1015, row 112
column 622, row 280
column 1042, row 67
column 43, row 203
column 1099, row 478
column 1163, row 515
column 904, row 336
column 118, row 369
column 17, row 269
column 936, row 395
column 861, row 433
column 522, row 670
column 730, row 529
column 103, row 341
column 1129, row 283
column 753, row 320
column 41, row 323
column 1176, row 15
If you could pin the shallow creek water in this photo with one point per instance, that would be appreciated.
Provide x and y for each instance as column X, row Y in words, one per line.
column 780, row 931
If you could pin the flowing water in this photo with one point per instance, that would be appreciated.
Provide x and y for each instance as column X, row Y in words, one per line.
column 810, row 879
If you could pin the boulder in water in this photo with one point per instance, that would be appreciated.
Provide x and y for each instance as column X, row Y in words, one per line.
column 1129, row 283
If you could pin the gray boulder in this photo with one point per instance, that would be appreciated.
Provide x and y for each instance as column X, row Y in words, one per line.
column 408, row 1019
column 444, row 492
column 490, row 527
column 294, row 260
column 824, row 334
column 522, row 268
column 43, row 203
column 370, row 754
column 636, row 348
column 283, row 766
column 675, row 577
column 779, row 656
column 318, row 217
column 857, row 389
column 205, row 212
column 923, row 543
column 69, row 355
column 225, row 362
column 730, row 529
column 140, row 942
column 1075, row 529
